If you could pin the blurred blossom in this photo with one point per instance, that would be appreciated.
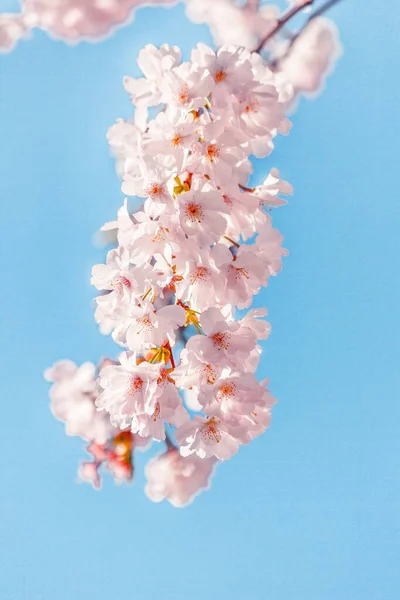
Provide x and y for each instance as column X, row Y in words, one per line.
column 172, row 477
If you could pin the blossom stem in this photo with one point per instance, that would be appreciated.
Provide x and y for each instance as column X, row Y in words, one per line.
column 168, row 346
column 246, row 189
column 282, row 22
column 168, row 442
column 231, row 241
column 146, row 294
column 322, row 9
column 317, row 13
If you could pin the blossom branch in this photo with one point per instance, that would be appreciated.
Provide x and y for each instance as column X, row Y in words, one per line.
column 317, row 13
column 282, row 22
column 322, row 9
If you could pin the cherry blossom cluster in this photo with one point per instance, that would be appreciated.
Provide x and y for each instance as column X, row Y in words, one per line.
column 69, row 20
column 198, row 249
column 73, row 395
column 305, row 58
column 202, row 245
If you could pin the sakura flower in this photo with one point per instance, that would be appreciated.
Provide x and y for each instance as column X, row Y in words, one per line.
column 123, row 226
column 176, row 479
column 242, row 206
column 229, row 67
column 187, row 85
column 312, row 57
column 127, row 389
column 269, row 248
column 193, row 372
column 146, row 327
column 146, row 91
column 115, row 275
column 269, row 191
column 225, row 343
column 124, row 139
column 73, row 20
column 171, row 132
column 139, row 397
column 13, row 27
column 201, row 282
column 207, row 437
column 166, row 408
column 236, row 395
column 219, row 156
column 254, row 321
column 73, row 396
column 201, row 214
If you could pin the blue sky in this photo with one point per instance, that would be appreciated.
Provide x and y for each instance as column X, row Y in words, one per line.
column 310, row 511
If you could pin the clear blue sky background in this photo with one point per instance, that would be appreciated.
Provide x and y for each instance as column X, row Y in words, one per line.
column 311, row 510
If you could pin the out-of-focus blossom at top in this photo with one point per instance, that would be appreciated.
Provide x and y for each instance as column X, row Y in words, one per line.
column 232, row 23
column 70, row 20
column 201, row 246
column 312, row 57
column 305, row 58
column 12, row 29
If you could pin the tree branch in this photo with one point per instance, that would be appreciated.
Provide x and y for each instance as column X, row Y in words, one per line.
column 317, row 13
column 282, row 22
column 323, row 9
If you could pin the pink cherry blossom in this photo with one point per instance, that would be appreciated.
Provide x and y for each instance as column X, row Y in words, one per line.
column 200, row 247
column 13, row 27
column 312, row 57
column 172, row 477
column 73, row 394
column 207, row 437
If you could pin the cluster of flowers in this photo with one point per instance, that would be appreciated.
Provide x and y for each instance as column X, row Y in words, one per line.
column 305, row 59
column 202, row 245
column 69, row 20
column 73, row 395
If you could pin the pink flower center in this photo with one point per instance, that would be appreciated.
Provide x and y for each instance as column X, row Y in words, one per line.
column 159, row 236
column 210, row 431
column 145, row 322
column 156, row 413
column 212, row 153
column 227, row 391
column 176, row 140
column 155, row 190
column 120, row 283
column 183, row 94
column 209, row 374
column 135, row 385
column 228, row 201
column 238, row 272
column 194, row 212
column 221, row 340
column 252, row 107
column 200, row 275
column 220, row 76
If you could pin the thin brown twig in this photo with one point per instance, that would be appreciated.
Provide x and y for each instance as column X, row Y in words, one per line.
column 168, row 442
column 282, row 22
column 317, row 13
column 322, row 9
